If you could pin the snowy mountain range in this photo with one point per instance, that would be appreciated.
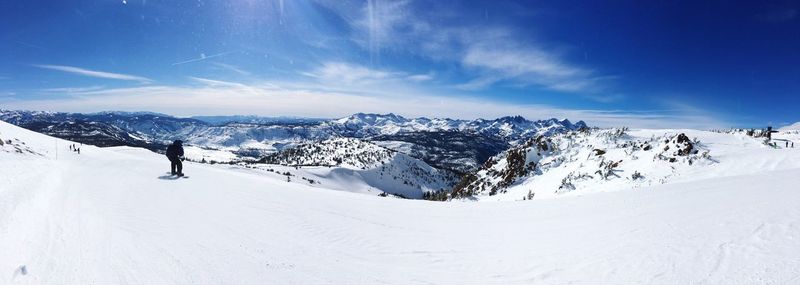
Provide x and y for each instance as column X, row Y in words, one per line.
column 234, row 130
column 509, row 158
column 459, row 145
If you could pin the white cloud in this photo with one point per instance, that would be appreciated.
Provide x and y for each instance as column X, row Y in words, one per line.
column 73, row 89
column 203, row 56
column 378, row 25
column 504, row 59
column 94, row 73
column 492, row 54
column 232, row 68
column 214, row 97
column 420, row 77
column 213, row 82
column 343, row 73
column 348, row 73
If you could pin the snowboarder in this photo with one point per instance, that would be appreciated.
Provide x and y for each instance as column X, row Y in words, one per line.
column 175, row 156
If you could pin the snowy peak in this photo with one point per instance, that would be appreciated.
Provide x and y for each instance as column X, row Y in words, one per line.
column 458, row 145
column 564, row 162
column 380, row 168
column 164, row 128
column 372, row 119
column 512, row 128
column 340, row 152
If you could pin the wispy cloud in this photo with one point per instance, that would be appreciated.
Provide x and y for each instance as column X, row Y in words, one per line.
column 203, row 56
column 232, row 68
column 215, row 97
column 420, row 77
column 338, row 72
column 502, row 58
column 30, row 45
column 380, row 20
column 94, row 73
column 213, row 82
column 73, row 89
column 347, row 73
column 492, row 54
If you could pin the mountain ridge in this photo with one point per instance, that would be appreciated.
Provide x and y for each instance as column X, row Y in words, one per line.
column 258, row 136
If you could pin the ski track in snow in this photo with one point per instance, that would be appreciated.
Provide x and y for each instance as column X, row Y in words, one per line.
column 104, row 217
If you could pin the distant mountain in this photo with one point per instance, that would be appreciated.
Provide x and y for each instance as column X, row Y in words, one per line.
column 140, row 129
column 511, row 129
column 458, row 151
column 457, row 145
column 222, row 120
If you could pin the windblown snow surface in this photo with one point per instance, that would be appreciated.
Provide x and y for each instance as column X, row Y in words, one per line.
column 111, row 216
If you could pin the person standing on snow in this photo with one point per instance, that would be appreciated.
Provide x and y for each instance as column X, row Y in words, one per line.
column 175, row 156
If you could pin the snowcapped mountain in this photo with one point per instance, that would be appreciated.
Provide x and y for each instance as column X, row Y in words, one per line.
column 373, row 166
column 332, row 152
column 254, row 139
column 510, row 129
column 586, row 159
column 141, row 129
column 250, row 119
column 601, row 160
column 473, row 140
column 457, row 151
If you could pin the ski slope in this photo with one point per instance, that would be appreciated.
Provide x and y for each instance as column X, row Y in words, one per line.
column 111, row 216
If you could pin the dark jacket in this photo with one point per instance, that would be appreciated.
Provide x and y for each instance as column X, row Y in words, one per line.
column 175, row 150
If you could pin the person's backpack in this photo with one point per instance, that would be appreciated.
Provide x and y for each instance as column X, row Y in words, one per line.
column 172, row 151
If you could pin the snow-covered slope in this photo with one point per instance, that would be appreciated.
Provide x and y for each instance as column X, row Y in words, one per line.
column 357, row 166
column 575, row 163
column 791, row 128
column 110, row 216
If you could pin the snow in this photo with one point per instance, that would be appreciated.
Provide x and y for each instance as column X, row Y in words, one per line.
column 792, row 127
column 111, row 216
column 353, row 165
column 572, row 159
column 197, row 153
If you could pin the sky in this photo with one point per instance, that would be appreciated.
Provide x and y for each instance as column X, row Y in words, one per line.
column 664, row 64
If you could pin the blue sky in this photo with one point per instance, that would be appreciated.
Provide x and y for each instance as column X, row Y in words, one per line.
column 634, row 63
